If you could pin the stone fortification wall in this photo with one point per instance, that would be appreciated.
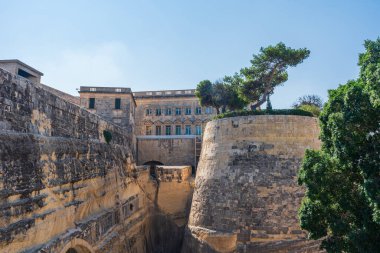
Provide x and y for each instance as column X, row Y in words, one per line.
column 246, row 195
column 29, row 108
column 175, row 192
column 170, row 150
column 63, row 187
column 72, row 99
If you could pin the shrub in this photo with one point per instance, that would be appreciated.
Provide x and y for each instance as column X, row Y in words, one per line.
column 107, row 136
column 265, row 112
column 311, row 108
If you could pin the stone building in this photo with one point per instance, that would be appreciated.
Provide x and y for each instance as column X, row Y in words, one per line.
column 21, row 69
column 170, row 112
column 167, row 124
column 116, row 105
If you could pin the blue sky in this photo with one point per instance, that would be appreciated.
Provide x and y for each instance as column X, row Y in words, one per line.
column 154, row 45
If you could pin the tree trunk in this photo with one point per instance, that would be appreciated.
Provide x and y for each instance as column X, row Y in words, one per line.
column 259, row 103
column 217, row 110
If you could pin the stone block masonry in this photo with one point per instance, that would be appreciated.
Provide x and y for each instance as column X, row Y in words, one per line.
column 171, row 151
column 63, row 188
column 246, row 194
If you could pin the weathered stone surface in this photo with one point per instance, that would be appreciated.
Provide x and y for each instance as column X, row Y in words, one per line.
column 246, row 196
column 168, row 151
column 62, row 187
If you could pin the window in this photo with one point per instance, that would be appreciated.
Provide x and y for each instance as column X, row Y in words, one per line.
column 198, row 130
column 188, row 129
column 117, row 90
column 158, row 112
column 91, row 103
column 148, row 112
column 92, row 89
column 208, row 110
column 168, row 130
column 158, row 130
column 198, row 110
column 148, row 130
column 177, row 111
column 168, row 111
column 158, row 93
column 117, row 103
column 178, row 130
column 188, row 111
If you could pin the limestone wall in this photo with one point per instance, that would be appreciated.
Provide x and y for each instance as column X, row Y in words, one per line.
column 246, row 195
column 63, row 187
column 166, row 150
column 72, row 99
column 175, row 192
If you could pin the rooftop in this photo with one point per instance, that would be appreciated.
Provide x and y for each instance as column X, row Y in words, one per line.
column 15, row 61
column 95, row 89
column 164, row 93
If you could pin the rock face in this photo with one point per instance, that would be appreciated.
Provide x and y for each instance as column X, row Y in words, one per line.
column 246, row 194
column 64, row 189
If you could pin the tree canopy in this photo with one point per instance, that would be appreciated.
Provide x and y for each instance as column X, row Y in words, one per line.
column 222, row 95
column 342, row 201
column 309, row 100
column 254, row 84
column 268, row 70
column 310, row 103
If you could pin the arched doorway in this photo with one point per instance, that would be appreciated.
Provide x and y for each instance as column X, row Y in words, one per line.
column 77, row 245
column 152, row 167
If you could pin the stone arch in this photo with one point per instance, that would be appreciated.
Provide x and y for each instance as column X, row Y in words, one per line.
column 152, row 167
column 155, row 163
column 77, row 245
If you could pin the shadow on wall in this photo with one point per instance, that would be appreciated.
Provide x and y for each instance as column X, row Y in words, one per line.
column 152, row 167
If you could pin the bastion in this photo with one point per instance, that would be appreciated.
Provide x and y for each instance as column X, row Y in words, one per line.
column 246, row 195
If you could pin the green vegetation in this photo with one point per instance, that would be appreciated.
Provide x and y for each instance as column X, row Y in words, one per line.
column 342, row 202
column 310, row 103
column 107, row 136
column 221, row 95
column 268, row 70
column 264, row 112
column 254, row 84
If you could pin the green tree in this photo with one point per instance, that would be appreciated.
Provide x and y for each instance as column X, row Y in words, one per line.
column 221, row 95
column 268, row 70
column 342, row 201
column 309, row 103
column 309, row 100
column 235, row 101
column 204, row 93
column 269, row 104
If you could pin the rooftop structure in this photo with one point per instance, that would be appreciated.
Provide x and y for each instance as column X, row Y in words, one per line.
column 164, row 93
column 19, row 68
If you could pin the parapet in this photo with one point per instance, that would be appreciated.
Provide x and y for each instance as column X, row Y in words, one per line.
column 91, row 89
column 19, row 68
column 164, row 94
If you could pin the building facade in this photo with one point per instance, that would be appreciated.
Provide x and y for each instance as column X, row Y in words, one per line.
column 168, row 124
column 116, row 105
column 170, row 112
